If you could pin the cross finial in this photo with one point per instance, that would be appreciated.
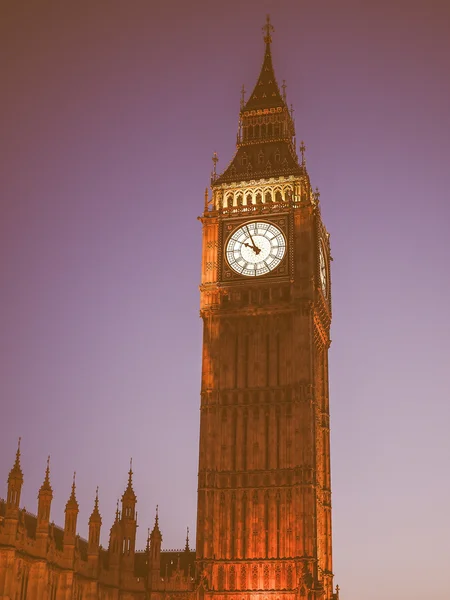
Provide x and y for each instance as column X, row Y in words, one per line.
column 268, row 28
column 283, row 87
column 242, row 96
column 302, row 150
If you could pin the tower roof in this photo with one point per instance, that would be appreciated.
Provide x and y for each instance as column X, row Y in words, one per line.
column 266, row 93
column 16, row 471
column 266, row 136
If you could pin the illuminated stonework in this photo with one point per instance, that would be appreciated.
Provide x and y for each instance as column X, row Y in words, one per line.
column 264, row 496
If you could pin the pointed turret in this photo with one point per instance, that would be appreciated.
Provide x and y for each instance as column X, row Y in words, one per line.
column 129, row 497
column 45, row 497
column 95, row 523
column 266, row 137
column 129, row 522
column 15, row 482
column 155, row 550
column 71, row 514
column 115, row 539
column 186, row 547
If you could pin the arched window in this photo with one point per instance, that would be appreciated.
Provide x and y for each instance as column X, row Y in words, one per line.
column 268, row 197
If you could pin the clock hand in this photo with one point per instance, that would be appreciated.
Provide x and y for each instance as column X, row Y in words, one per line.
column 255, row 248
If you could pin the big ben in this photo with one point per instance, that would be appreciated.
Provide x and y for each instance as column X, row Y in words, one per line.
column 264, row 488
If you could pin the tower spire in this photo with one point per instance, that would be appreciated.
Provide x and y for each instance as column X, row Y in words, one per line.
column 266, row 93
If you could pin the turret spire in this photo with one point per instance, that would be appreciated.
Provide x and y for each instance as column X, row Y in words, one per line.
column 72, row 501
column 186, row 547
column 16, row 471
column 95, row 515
column 15, row 482
column 46, row 487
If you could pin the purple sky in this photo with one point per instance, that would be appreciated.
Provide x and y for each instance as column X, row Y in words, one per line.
column 110, row 111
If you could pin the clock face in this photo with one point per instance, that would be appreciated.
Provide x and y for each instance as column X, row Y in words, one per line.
column 323, row 270
column 255, row 249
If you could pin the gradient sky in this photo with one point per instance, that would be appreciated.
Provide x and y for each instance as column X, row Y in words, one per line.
column 110, row 111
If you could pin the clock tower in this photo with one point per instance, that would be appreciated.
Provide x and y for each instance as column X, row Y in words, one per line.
column 264, row 489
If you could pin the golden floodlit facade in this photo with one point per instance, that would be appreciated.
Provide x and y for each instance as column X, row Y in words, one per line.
column 264, row 489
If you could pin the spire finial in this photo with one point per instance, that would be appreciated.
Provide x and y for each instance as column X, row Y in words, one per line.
column 283, row 87
column 156, row 517
column 268, row 28
column 73, row 484
column 130, row 472
column 187, row 540
column 215, row 160
column 16, row 467
column 242, row 96
column 302, row 150
column 47, row 471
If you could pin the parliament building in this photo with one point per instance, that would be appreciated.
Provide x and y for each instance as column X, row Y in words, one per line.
column 264, row 489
